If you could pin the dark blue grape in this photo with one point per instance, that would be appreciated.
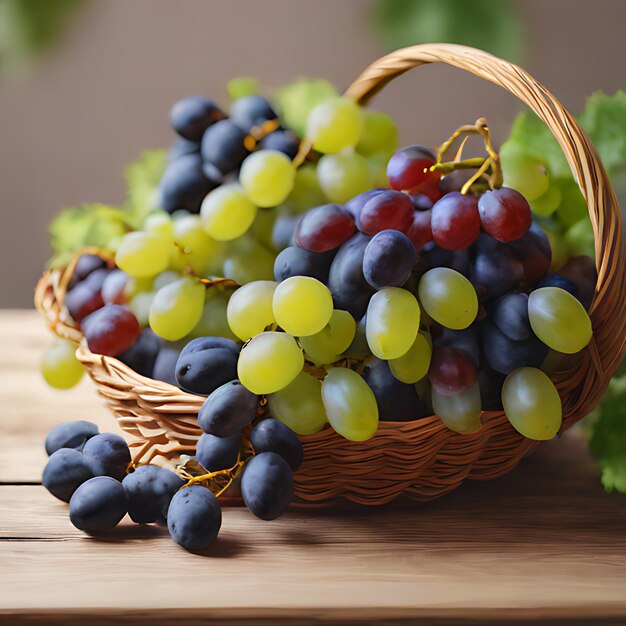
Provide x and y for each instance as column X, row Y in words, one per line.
column 503, row 354
column 283, row 231
column 165, row 363
column 270, row 435
column 581, row 271
column 555, row 280
column 294, row 261
column 181, row 147
column 107, row 455
column 465, row 340
column 184, row 185
column 397, row 401
column 64, row 473
column 70, row 435
column 389, row 259
column 141, row 356
column 267, row 485
column 86, row 264
column 434, row 256
column 194, row 517
column 207, row 363
column 510, row 315
column 149, row 490
column 191, row 116
column 218, row 453
column 223, row 147
column 250, row 111
column 421, row 202
column 535, row 254
column 98, row 505
column 285, row 141
column 228, row 410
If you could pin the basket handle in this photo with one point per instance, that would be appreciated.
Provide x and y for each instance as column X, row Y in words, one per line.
column 607, row 309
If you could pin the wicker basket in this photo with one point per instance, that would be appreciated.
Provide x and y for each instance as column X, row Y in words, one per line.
column 420, row 459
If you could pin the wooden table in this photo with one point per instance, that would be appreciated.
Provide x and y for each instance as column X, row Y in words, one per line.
column 543, row 544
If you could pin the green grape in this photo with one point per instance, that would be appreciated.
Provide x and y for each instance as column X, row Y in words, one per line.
column 140, row 305
column 227, row 213
column 559, row 320
column 59, row 365
column 579, row 238
column 380, row 134
column 532, row 403
column 413, row 366
column 299, row 405
column 350, row 404
column 392, row 322
column 213, row 322
column 335, row 125
column 143, row 255
column 559, row 247
column 269, row 362
column 134, row 286
column 302, row 305
column 306, row 192
column 378, row 169
column 267, row 177
column 247, row 260
column 460, row 412
column 343, row 176
column 573, row 207
column 177, row 308
column 160, row 223
column 523, row 173
column 334, row 339
column 250, row 308
column 242, row 86
column 359, row 349
column 164, row 278
column 194, row 248
column 263, row 226
column 448, row 298
column 548, row 203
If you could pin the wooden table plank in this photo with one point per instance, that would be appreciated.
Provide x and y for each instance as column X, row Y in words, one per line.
column 543, row 543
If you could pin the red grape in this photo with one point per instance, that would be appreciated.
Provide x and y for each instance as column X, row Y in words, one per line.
column 410, row 167
column 86, row 296
column 504, row 214
column 358, row 202
column 420, row 231
column 324, row 228
column 451, row 370
column 386, row 210
column 110, row 330
column 455, row 221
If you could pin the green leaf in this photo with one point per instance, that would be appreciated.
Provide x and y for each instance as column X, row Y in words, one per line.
column 142, row 179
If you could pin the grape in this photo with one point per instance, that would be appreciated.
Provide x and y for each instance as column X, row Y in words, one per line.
column 107, row 454
column 306, row 192
column 214, row 322
column 413, row 366
column 218, row 453
column 70, row 435
column 140, row 357
column 269, row 362
column 227, row 410
column 504, row 213
column 223, row 147
column 334, row 339
column 455, row 221
column 114, row 287
column 409, row 168
column 299, row 405
column 149, row 490
column 302, row 305
column 181, row 147
column 177, row 308
column 267, row 177
column 159, row 223
column 393, row 319
column 165, row 364
column 334, row 125
column 490, row 385
column 573, row 207
column 249, row 309
column 496, row 268
column 534, row 251
column 110, row 330
column 581, row 270
column 559, row 320
column 465, row 340
column 451, row 370
column 86, row 264
column 191, row 116
column 448, row 297
column 294, row 261
column 350, row 291
column 98, row 505
column 267, row 485
column 86, row 296
column 342, row 176
column 283, row 231
column 420, row 232
column 195, row 248
column 270, row 435
column 459, row 412
column 184, row 184
column 140, row 306
column 433, row 256
column 558, row 246
column 59, row 365
column 248, row 262
column 359, row 349
column 524, row 173
column 548, row 203
column 554, row 280
column 388, row 259
column 532, row 404
column 380, row 134
column 194, row 517
column 386, row 210
column 250, row 111
column 64, row 473
column 227, row 213
column 397, row 401
column 324, row 228
column 356, row 204
column 285, row 141
column 580, row 239
column 503, row 353
column 510, row 315
column 349, row 404
column 206, row 363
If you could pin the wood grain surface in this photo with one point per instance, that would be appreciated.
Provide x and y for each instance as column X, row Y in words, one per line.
column 544, row 544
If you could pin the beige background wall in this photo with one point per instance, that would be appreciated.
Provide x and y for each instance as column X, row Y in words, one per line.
column 69, row 123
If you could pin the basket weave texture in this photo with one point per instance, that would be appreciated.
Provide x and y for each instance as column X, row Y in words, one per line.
column 421, row 459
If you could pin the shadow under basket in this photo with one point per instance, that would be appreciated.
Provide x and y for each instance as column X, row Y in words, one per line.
column 421, row 459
